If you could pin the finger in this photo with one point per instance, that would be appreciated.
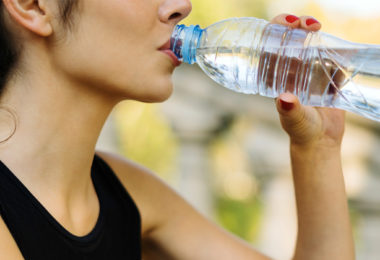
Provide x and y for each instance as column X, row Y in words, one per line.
column 310, row 23
column 287, row 20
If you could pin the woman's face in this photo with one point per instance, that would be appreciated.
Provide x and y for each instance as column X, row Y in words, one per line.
column 114, row 47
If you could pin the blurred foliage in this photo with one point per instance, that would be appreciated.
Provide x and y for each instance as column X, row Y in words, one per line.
column 238, row 208
column 355, row 219
column 206, row 12
column 145, row 137
column 356, row 28
column 243, row 218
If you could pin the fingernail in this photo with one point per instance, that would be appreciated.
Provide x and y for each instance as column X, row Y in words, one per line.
column 291, row 18
column 311, row 21
column 286, row 105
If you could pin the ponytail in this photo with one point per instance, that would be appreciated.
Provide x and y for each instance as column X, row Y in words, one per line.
column 8, row 51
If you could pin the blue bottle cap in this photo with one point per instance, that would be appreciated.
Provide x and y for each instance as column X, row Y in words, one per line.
column 186, row 40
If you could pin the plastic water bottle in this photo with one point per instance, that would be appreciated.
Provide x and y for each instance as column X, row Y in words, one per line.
column 252, row 56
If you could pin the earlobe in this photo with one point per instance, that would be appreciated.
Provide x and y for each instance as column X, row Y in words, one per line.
column 30, row 14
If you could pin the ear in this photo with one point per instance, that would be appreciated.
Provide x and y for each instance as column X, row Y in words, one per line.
column 31, row 14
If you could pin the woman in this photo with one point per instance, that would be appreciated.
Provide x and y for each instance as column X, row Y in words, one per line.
column 65, row 64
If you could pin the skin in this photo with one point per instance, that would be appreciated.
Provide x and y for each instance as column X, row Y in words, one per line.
column 71, row 81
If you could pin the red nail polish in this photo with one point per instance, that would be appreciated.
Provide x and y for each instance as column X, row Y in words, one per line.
column 286, row 105
column 291, row 18
column 311, row 21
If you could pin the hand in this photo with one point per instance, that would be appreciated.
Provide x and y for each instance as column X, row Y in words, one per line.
column 308, row 126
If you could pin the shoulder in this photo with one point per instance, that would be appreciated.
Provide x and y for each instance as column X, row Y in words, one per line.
column 157, row 202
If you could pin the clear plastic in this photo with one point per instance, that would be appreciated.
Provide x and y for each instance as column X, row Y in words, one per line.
column 252, row 56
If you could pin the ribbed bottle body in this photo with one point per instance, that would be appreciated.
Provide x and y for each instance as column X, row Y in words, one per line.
column 254, row 57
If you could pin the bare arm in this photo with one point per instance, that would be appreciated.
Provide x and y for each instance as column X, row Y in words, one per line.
column 324, row 230
column 171, row 228
column 8, row 246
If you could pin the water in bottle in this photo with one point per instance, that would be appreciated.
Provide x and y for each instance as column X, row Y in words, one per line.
column 252, row 56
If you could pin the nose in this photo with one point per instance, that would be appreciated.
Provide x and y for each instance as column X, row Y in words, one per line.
column 173, row 11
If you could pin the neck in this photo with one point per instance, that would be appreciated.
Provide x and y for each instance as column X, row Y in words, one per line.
column 58, row 124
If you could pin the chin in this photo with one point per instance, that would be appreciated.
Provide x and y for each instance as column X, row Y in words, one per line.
column 161, row 94
column 157, row 98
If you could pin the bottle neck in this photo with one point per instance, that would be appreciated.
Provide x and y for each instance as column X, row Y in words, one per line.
column 184, row 42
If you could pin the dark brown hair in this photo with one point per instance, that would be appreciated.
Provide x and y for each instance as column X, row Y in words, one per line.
column 9, row 52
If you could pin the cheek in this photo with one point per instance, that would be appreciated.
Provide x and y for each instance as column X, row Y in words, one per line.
column 132, row 75
column 113, row 49
column 119, row 18
column 113, row 34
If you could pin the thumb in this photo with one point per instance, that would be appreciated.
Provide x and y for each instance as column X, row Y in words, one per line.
column 296, row 119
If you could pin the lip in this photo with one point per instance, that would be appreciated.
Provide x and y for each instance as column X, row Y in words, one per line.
column 166, row 50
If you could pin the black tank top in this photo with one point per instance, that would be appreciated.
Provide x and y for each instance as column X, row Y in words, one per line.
column 116, row 235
